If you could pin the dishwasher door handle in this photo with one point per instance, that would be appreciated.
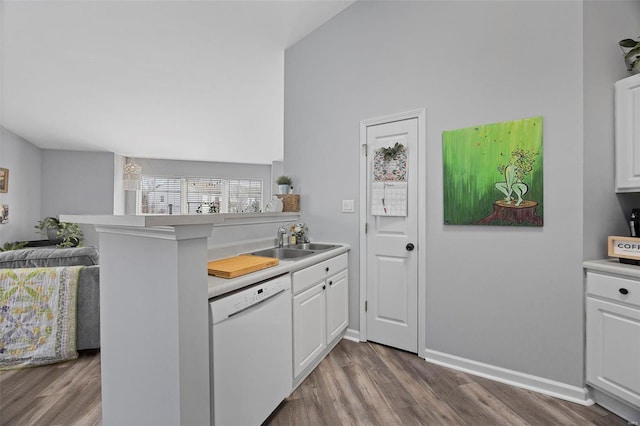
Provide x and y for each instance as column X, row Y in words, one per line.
column 257, row 303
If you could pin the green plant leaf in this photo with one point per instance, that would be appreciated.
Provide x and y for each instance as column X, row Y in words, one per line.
column 633, row 52
column 629, row 43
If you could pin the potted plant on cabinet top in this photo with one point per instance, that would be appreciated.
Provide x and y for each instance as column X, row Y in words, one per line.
column 69, row 232
column 631, row 50
column 284, row 183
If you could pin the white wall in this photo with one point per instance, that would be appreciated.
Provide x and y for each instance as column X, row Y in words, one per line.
column 509, row 297
column 23, row 160
column 77, row 182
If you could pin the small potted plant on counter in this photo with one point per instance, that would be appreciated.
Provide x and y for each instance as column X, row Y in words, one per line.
column 284, row 183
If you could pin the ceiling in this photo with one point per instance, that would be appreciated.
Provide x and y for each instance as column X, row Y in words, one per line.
column 189, row 80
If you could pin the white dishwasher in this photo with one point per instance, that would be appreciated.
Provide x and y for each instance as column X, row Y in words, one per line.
column 251, row 352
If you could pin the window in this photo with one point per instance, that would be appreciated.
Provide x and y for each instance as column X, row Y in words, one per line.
column 245, row 195
column 158, row 194
column 193, row 195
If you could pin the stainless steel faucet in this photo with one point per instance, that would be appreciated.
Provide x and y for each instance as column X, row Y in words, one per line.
column 282, row 231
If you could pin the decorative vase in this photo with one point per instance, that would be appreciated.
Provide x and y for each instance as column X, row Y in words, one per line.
column 283, row 189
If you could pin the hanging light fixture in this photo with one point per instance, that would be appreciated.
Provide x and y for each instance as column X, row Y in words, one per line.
column 131, row 176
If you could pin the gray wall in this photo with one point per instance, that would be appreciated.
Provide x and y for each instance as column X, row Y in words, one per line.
column 77, row 182
column 509, row 297
column 23, row 160
column 605, row 213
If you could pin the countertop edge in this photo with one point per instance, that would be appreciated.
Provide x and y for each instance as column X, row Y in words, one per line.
column 220, row 286
column 145, row 221
column 612, row 266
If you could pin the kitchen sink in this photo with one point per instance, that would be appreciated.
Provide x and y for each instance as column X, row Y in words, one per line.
column 283, row 253
column 312, row 246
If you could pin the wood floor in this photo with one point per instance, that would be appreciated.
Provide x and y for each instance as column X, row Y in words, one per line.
column 67, row 393
column 357, row 384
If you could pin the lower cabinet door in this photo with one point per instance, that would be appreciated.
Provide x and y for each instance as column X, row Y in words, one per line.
column 613, row 349
column 309, row 327
column 337, row 305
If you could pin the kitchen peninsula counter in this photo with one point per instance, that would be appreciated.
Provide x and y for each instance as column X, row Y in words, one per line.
column 154, row 313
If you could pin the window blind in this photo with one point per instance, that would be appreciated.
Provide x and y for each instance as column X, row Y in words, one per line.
column 193, row 195
column 158, row 193
column 245, row 195
column 204, row 190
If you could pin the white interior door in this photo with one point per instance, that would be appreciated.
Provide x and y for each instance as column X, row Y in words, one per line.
column 391, row 240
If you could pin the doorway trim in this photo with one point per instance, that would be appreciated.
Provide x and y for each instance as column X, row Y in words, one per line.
column 420, row 115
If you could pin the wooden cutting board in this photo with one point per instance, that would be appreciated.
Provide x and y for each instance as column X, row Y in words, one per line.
column 232, row 267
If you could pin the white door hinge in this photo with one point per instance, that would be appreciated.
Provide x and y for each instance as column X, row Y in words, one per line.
column 364, row 149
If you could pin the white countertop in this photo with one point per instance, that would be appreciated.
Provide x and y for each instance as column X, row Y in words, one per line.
column 612, row 266
column 146, row 221
column 219, row 286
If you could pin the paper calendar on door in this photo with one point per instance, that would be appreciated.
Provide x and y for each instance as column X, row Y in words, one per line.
column 389, row 198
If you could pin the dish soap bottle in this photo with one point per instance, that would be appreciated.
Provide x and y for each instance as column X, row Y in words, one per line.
column 292, row 238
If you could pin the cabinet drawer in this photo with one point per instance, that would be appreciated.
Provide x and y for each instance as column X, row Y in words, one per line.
column 336, row 264
column 307, row 277
column 613, row 288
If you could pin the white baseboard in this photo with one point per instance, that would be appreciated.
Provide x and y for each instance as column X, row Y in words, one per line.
column 353, row 335
column 614, row 405
column 510, row 377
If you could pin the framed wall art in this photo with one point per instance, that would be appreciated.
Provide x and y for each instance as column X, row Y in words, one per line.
column 4, row 213
column 4, row 180
column 492, row 174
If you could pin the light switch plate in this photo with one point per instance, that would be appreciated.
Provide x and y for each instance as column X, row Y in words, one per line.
column 348, row 206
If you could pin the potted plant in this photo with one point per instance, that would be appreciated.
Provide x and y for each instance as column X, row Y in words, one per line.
column 70, row 233
column 631, row 50
column 284, row 183
column 16, row 245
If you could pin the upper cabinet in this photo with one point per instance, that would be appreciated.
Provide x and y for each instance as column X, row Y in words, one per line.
column 627, row 112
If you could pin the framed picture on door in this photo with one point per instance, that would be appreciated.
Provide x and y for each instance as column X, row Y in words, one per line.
column 4, row 180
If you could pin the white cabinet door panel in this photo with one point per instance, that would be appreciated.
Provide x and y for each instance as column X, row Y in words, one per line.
column 309, row 327
column 613, row 349
column 627, row 112
column 337, row 305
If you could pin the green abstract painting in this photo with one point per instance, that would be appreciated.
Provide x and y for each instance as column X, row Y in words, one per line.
column 493, row 174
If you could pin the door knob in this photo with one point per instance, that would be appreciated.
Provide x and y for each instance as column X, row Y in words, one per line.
column 410, row 247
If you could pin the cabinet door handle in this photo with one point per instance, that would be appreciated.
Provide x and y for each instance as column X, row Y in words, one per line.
column 330, row 282
column 324, row 287
column 623, row 291
column 326, row 269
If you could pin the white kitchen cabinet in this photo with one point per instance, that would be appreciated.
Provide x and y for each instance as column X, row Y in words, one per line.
column 627, row 156
column 309, row 329
column 320, row 311
column 337, row 305
column 613, row 337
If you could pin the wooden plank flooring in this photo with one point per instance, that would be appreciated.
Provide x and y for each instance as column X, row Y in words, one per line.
column 370, row 384
column 66, row 393
column 357, row 384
